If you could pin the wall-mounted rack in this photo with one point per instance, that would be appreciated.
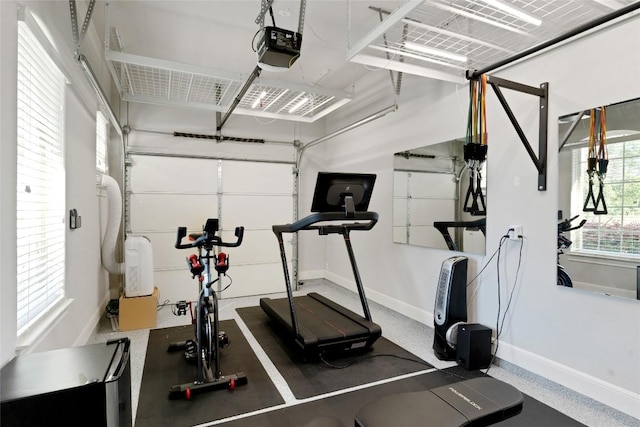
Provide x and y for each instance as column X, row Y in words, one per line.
column 539, row 160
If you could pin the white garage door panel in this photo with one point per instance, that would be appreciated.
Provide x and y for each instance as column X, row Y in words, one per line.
column 425, row 212
column 175, row 285
column 255, row 280
column 173, row 175
column 256, row 211
column 166, row 256
column 431, row 185
column 400, row 183
column 170, row 192
column 258, row 246
column 170, row 211
column 400, row 207
column 426, row 236
column 256, row 178
column 400, row 234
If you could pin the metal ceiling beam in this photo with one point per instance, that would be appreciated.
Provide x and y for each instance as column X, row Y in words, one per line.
column 408, row 68
column 472, row 75
column 378, row 31
column 254, row 75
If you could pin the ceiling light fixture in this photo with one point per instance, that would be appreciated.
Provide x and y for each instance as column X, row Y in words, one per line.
column 298, row 105
column 277, row 98
column 437, row 52
column 414, row 56
column 479, row 18
column 259, row 99
column 513, row 11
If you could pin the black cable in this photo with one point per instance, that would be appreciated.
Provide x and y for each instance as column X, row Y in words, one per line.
column 273, row 20
column 499, row 325
column 358, row 359
column 502, row 239
column 487, row 264
column 515, row 283
column 253, row 41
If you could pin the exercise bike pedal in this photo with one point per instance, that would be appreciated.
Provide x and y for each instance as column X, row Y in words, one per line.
column 223, row 339
column 191, row 351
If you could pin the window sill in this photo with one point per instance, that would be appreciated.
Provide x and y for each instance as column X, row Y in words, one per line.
column 42, row 327
column 613, row 261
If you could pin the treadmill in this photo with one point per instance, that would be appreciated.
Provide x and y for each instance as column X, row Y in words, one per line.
column 315, row 323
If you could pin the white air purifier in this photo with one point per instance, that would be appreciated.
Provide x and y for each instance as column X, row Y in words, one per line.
column 138, row 261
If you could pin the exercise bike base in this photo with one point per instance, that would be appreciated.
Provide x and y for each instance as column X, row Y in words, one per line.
column 187, row 390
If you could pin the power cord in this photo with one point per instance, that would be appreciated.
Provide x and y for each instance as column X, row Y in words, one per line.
column 500, row 324
column 371, row 356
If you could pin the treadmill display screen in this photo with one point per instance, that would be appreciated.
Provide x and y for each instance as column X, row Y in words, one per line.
column 333, row 187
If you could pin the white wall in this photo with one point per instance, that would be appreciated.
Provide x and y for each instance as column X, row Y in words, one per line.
column 85, row 281
column 585, row 341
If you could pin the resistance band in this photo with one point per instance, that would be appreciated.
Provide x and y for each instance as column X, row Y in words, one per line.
column 475, row 148
column 597, row 162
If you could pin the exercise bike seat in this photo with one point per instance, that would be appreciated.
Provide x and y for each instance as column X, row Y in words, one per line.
column 478, row 401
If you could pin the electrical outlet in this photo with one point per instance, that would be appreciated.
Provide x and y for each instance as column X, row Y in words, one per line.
column 515, row 232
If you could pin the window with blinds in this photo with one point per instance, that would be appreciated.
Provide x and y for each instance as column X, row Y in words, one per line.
column 41, row 181
column 618, row 232
column 101, row 144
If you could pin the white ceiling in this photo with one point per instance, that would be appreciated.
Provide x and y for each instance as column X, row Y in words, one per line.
column 171, row 41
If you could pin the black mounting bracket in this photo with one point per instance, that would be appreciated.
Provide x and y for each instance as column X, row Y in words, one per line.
column 539, row 160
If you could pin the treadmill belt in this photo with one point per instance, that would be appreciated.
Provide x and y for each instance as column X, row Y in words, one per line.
column 318, row 320
column 323, row 325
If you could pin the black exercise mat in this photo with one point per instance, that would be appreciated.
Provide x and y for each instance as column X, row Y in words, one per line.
column 342, row 408
column 314, row 378
column 163, row 369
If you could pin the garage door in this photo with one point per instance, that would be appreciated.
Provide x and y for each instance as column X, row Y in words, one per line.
column 169, row 192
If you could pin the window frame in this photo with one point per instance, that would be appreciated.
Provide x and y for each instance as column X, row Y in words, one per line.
column 42, row 316
column 578, row 193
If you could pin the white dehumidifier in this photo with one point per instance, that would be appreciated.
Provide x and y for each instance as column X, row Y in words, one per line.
column 138, row 260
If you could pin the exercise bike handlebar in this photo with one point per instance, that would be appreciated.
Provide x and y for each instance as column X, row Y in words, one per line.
column 565, row 225
column 207, row 237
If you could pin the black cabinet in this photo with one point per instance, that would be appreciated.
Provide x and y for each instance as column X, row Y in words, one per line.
column 87, row 385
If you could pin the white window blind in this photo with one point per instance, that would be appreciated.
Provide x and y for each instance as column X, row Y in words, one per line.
column 617, row 233
column 41, row 181
column 101, row 143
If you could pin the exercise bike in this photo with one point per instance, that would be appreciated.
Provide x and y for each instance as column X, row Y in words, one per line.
column 205, row 348
column 564, row 243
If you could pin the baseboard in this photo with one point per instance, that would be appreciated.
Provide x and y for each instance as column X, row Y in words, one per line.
column 580, row 382
column 311, row 275
column 609, row 394
column 408, row 310
column 92, row 324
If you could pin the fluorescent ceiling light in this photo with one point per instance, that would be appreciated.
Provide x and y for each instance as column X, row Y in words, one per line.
column 258, row 99
column 479, row 18
column 436, row 52
column 413, row 55
column 299, row 104
column 513, row 11
column 276, row 99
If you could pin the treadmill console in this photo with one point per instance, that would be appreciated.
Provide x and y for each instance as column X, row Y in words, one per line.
column 337, row 192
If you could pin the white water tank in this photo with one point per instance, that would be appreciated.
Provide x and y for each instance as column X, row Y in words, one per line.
column 138, row 262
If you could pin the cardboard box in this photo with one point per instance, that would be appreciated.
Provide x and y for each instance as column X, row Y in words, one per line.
column 138, row 312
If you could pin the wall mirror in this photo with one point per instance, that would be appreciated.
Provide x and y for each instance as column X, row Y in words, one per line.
column 599, row 246
column 430, row 186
